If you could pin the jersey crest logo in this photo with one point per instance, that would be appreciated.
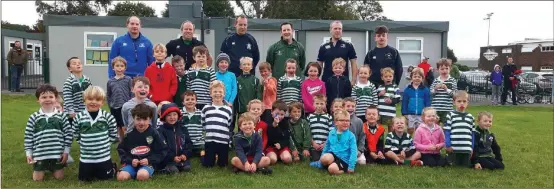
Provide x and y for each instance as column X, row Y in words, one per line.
column 248, row 46
column 388, row 56
column 149, row 139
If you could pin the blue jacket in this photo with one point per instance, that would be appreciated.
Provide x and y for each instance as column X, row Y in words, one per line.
column 496, row 78
column 230, row 82
column 345, row 149
column 137, row 52
column 238, row 46
column 245, row 148
column 177, row 140
column 414, row 100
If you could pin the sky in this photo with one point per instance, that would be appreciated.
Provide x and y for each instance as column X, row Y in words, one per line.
column 511, row 21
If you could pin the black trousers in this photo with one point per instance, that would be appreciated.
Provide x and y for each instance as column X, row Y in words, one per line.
column 459, row 159
column 212, row 149
column 96, row 171
column 490, row 163
column 433, row 160
column 315, row 155
column 508, row 87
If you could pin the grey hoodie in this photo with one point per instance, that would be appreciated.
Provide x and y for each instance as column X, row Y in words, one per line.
column 357, row 127
column 128, row 120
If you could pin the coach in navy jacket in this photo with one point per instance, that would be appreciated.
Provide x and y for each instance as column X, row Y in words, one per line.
column 241, row 44
column 134, row 47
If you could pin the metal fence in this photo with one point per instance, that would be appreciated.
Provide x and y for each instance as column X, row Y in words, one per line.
column 31, row 77
column 529, row 90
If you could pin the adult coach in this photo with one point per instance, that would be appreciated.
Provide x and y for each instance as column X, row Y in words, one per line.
column 17, row 58
column 286, row 48
column 508, row 73
column 183, row 45
column 134, row 47
column 383, row 56
column 241, row 44
column 337, row 48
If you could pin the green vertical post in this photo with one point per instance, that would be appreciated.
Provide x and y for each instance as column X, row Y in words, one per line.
column 46, row 69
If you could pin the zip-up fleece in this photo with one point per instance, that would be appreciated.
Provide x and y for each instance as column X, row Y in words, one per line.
column 238, row 46
column 375, row 141
column 414, row 100
column 345, row 148
column 163, row 82
column 496, row 78
column 138, row 53
column 337, row 86
column 425, row 138
column 485, row 145
column 301, row 134
column 249, row 89
column 230, row 81
column 177, row 140
column 137, row 145
column 279, row 52
column 245, row 147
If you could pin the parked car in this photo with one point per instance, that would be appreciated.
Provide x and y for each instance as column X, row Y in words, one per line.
column 543, row 80
column 479, row 82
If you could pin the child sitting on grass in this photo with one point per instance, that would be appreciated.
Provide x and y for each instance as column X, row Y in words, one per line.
column 300, row 131
column 486, row 151
column 142, row 149
column 248, row 148
column 429, row 139
column 177, row 138
column 399, row 148
column 48, row 136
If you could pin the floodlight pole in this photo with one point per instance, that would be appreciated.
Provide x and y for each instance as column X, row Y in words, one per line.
column 489, row 30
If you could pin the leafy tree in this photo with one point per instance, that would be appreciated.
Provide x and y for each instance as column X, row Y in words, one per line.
column 165, row 12
column 18, row 27
column 132, row 9
column 68, row 7
column 218, row 8
column 450, row 55
column 369, row 10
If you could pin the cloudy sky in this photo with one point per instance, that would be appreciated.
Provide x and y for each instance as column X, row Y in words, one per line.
column 512, row 20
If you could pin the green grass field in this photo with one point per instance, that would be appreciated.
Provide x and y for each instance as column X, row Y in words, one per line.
column 524, row 133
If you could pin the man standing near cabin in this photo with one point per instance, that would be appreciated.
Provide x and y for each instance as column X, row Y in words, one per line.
column 241, row 44
column 383, row 56
column 183, row 45
column 337, row 48
column 286, row 48
column 17, row 58
column 134, row 47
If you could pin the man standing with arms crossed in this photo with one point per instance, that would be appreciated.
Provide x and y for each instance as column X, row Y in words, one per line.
column 337, row 48
column 286, row 48
column 241, row 44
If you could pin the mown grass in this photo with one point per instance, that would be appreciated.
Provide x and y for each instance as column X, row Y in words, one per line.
column 524, row 133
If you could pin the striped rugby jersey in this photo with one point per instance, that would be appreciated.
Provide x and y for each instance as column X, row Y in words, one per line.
column 193, row 122
column 198, row 80
column 442, row 100
column 72, row 92
column 47, row 135
column 288, row 89
column 391, row 91
column 320, row 125
column 365, row 96
column 460, row 125
column 217, row 120
column 95, row 136
column 397, row 143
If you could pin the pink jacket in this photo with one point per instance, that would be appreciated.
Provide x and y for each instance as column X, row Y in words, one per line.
column 309, row 89
column 424, row 139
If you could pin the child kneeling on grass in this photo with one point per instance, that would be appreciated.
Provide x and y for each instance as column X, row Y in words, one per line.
column 142, row 148
column 178, row 141
column 248, row 147
column 340, row 151
column 47, row 136
column 399, row 148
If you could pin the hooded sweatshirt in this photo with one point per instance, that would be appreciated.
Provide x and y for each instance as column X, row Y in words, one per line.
column 177, row 139
column 163, row 81
column 128, row 120
column 137, row 145
column 496, row 76
column 309, row 89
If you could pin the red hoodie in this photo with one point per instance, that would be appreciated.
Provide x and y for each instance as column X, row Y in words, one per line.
column 163, row 82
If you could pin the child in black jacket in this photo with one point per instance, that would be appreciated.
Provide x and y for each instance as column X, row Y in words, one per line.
column 338, row 86
column 279, row 141
column 486, row 151
column 179, row 144
column 142, row 148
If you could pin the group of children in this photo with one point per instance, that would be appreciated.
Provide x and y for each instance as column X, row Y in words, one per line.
column 162, row 120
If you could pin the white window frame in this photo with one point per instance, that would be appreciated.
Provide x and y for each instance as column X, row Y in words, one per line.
column 85, row 47
column 546, row 69
column 398, row 39
column 507, row 50
column 544, row 47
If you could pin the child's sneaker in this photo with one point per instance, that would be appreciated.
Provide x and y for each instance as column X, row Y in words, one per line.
column 265, row 171
column 416, row 163
column 316, row 164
